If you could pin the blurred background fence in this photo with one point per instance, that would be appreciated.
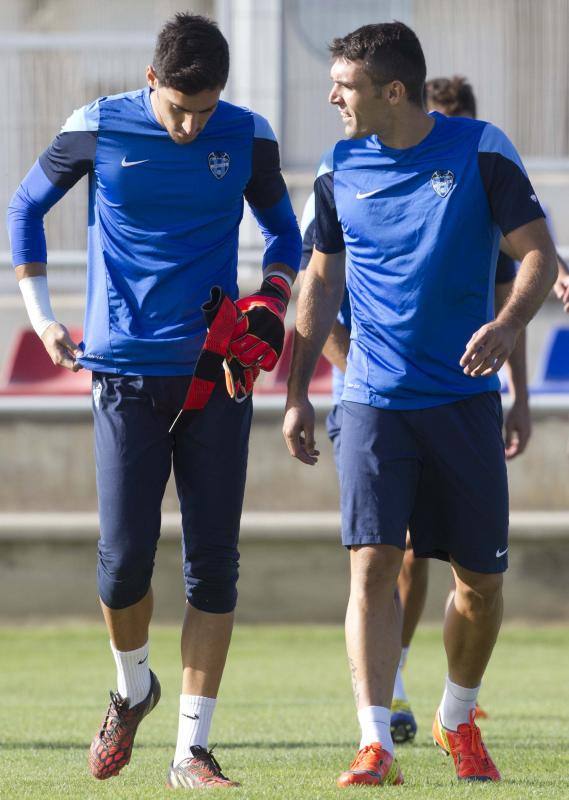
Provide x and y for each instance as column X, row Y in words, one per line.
column 58, row 55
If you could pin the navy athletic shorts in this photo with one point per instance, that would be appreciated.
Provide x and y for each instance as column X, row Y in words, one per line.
column 134, row 457
column 439, row 471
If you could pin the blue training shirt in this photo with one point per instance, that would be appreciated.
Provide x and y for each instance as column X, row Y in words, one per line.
column 163, row 223
column 421, row 228
column 505, row 273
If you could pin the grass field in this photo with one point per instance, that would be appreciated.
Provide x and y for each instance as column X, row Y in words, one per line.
column 285, row 725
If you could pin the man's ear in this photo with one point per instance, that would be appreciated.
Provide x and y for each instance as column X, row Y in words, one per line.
column 151, row 78
column 396, row 91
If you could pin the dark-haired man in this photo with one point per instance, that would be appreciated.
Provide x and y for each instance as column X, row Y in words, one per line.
column 418, row 203
column 168, row 169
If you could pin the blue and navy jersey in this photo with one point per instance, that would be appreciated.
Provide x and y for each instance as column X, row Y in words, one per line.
column 421, row 228
column 505, row 273
column 163, row 223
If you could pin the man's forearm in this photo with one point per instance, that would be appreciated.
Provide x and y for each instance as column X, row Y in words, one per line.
column 533, row 283
column 317, row 308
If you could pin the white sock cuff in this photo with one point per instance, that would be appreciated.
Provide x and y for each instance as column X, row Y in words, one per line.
column 464, row 693
column 139, row 653
column 191, row 701
column 404, row 655
column 374, row 714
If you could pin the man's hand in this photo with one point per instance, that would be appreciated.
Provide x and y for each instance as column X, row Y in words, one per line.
column 517, row 428
column 258, row 338
column 489, row 348
column 239, row 380
column 60, row 347
column 298, row 431
column 561, row 289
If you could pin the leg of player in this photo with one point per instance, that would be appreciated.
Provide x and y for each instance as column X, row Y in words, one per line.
column 412, row 585
column 373, row 640
column 133, row 455
column 210, row 461
column 472, row 623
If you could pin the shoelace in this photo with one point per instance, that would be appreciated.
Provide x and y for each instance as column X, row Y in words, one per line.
column 362, row 755
column 208, row 759
column 115, row 723
column 474, row 738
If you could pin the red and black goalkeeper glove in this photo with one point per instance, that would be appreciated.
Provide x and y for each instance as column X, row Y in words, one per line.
column 258, row 337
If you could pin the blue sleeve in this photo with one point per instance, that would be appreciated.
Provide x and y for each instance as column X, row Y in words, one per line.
column 511, row 197
column 505, row 268
column 268, row 198
column 66, row 160
column 32, row 200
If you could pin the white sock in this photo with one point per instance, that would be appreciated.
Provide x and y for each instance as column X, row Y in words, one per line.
column 456, row 704
column 133, row 673
column 194, row 723
column 399, row 689
column 375, row 722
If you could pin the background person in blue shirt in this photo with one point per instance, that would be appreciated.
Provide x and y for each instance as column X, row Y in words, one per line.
column 419, row 203
column 168, row 168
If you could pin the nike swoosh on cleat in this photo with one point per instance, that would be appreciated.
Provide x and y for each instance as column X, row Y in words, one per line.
column 125, row 163
column 363, row 195
column 500, row 553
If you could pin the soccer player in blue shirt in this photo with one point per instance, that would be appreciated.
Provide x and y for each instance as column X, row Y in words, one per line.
column 169, row 167
column 419, row 203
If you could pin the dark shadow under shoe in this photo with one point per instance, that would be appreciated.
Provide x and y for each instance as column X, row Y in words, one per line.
column 112, row 746
column 200, row 771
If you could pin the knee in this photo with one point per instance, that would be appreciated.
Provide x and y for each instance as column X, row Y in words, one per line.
column 479, row 596
column 374, row 569
column 211, row 582
column 124, row 575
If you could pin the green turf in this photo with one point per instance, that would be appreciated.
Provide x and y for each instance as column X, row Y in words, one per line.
column 285, row 725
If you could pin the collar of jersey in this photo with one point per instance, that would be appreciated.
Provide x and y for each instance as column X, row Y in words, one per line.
column 394, row 151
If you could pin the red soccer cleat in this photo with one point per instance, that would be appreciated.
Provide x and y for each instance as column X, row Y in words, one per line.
column 467, row 749
column 112, row 746
column 200, row 771
column 373, row 766
column 479, row 713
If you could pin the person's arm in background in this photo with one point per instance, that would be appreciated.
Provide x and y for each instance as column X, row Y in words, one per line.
column 561, row 286
column 517, row 423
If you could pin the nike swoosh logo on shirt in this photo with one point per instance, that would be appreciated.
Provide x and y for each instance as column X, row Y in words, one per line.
column 363, row 195
column 125, row 163
column 500, row 553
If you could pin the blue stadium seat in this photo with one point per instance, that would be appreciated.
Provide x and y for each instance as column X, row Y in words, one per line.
column 553, row 375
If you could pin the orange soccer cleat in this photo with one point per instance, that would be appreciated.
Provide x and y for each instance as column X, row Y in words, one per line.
column 467, row 749
column 479, row 713
column 373, row 766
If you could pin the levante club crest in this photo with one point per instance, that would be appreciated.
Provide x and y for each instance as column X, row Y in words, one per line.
column 442, row 181
column 218, row 164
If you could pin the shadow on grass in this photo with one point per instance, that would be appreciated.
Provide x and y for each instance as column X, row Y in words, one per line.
column 151, row 745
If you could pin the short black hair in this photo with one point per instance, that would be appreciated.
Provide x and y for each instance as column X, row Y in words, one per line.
column 191, row 55
column 455, row 95
column 390, row 51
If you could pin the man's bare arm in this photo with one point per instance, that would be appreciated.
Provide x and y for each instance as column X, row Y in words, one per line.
column 337, row 344
column 561, row 287
column 518, row 421
column 491, row 345
column 317, row 307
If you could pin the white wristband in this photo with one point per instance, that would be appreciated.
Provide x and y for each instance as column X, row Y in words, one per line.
column 36, row 299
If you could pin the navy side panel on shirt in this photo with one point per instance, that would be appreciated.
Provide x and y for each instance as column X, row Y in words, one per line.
column 505, row 268
column 421, row 228
column 163, row 223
